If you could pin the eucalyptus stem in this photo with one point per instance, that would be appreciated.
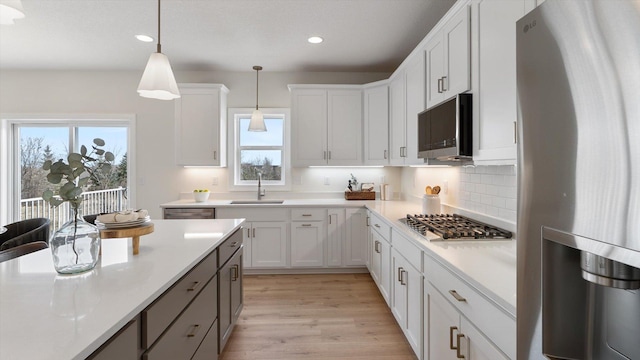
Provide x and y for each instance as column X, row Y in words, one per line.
column 75, row 232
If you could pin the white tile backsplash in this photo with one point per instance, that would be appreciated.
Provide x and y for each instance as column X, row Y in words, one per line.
column 490, row 190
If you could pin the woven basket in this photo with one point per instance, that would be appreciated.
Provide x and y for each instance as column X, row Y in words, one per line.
column 360, row 195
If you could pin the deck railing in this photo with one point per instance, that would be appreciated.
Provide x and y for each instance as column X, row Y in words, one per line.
column 94, row 202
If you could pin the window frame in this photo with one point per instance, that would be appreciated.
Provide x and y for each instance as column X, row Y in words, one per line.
column 233, row 136
column 9, row 150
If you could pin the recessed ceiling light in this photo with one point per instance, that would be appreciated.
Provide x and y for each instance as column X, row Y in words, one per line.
column 315, row 39
column 144, row 38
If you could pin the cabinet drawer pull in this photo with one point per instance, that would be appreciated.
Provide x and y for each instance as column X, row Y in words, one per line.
column 376, row 225
column 458, row 354
column 234, row 272
column 306, row 215
column 456, row 295
column 451, row 329
column 306, row 224
column 194, row 331
column 400, row 273
column 194, row 286
column 402, row 281
column 234, row 244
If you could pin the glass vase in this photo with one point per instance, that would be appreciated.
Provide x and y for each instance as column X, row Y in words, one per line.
column 75, row 246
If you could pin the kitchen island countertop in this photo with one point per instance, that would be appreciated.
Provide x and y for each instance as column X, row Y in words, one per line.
column 44, row 315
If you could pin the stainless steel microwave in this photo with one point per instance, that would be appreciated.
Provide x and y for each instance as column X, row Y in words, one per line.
column 444, row 131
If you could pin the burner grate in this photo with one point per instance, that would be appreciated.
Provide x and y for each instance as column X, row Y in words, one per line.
column 454, row 226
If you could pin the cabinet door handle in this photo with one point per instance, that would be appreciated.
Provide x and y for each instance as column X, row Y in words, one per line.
column 324, row 155
column 329, row 154
column 254, row 232
column 375, row 247
column 451, row 329
column 515, row 132
column 215, row 155
column 385, row 154
column 234, row 272
column 444, row 78
column 456, row 295
column 402, row 281
column 194, row 331
column 440, row 86
column 306, row 224
column 194, row 286
column 400, row 274
column 368, row 221
column 249, row 233
column 458, row 348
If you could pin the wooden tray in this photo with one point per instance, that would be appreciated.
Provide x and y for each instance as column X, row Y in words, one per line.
column 360, row 195
column 132, row 232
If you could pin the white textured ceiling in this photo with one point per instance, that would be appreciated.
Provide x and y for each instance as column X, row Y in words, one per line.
column 222, row 35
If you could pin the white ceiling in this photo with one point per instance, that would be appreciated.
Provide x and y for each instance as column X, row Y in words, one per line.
column 219, row 35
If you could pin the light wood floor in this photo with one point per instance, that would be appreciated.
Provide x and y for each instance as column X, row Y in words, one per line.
column 315, row 317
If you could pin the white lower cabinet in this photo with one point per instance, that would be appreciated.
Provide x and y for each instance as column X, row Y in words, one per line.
column 406, row 299
column 355, row 244
column 451, row 335
column 268, row 244
column 335, row 236
column 380, row 266
column 307, row 243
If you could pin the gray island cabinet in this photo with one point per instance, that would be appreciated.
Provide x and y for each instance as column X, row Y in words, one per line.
column 178, row 299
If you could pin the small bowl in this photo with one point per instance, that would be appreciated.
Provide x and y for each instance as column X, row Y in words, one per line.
column 201, row 196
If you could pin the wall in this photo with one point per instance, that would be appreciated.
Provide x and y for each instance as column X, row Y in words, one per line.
column 159, row 179
column 488, row 190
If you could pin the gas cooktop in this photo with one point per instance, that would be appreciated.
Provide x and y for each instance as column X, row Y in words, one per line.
column 454, row 227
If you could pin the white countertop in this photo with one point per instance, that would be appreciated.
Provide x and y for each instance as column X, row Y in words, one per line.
column 44, row 315
column 489, row 266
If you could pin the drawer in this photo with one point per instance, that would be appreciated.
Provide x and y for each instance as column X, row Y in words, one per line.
column 185, row 335
column 495, row 323
column 189, row 213
column 229, row 247
column 409, row 251
column 380, row 226
column 157, row 317
column 208, row 349
column 308, row 214
column 253, row 214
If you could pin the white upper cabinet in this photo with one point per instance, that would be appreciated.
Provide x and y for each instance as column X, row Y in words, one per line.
column 406, row 100
column 326, row 125
column 414, row 104
column 448, row 55
column 495, row 107
column 200, row 125
column 376, row 124
column 397, row 121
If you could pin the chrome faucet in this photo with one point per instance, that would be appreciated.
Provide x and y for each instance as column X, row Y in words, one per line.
column 261, row 192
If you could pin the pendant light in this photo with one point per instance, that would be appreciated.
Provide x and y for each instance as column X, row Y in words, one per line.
column 257, row 119
column 157, row 80
column 10, row 10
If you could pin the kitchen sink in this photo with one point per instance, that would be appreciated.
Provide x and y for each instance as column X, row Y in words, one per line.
column 256, row 202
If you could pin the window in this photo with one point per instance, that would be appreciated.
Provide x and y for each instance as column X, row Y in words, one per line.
column 34, row 141
column 262, row 153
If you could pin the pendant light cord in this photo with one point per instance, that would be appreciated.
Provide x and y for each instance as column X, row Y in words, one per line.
column 257, row 71
column 159, row 47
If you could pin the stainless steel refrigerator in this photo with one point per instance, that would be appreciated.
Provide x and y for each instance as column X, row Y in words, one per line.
column 578, row 64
